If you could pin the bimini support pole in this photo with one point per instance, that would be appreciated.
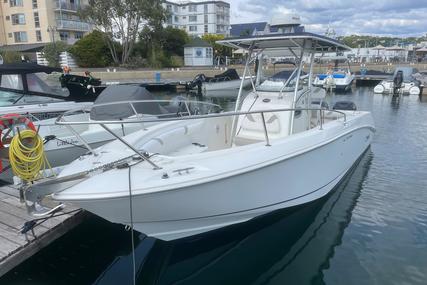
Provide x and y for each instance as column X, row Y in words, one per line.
column 310, row 85
column 291, row 127
column 239, row 96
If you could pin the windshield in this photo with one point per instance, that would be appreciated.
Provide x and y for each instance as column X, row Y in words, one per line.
column 39, row 82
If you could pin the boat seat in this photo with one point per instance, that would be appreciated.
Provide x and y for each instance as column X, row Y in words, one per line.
column 251, row 129
column 173, row 141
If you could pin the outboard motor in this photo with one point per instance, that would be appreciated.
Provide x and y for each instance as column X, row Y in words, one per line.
column 345, row 105
column 397, row 82
column 197, row 82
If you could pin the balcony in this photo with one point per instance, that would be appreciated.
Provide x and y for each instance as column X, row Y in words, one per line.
column 73, row 25
column 67, row 6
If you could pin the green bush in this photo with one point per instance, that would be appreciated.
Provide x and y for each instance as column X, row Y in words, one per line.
column 52, row 51
column 92, row 51
column 176, row 61
column 10, row 56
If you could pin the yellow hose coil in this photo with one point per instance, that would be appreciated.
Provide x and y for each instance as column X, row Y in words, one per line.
column 26, row 155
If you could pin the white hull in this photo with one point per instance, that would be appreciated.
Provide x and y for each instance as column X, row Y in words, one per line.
column 225, row 85
column 336, row 83
column 268, row 182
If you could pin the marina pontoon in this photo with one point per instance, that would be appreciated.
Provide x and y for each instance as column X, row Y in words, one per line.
column 188, row 175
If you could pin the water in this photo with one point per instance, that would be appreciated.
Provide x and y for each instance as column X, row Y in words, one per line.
column 371, row 230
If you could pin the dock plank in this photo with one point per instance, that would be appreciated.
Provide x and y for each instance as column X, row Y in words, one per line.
column 16, row 248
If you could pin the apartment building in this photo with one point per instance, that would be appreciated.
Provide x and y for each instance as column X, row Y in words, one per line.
column 30, row 22
column 199, row 18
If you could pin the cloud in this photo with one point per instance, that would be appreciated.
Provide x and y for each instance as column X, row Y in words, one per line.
column 380, row 17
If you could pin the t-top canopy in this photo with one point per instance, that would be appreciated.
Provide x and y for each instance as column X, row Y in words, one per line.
column 25, row 68
column 308, row 41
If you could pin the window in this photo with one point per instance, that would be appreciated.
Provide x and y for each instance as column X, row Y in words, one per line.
column 20, row 37
column 36, row 20
column 78, row 35
column 176, row 19
column 209, row 52
column 206, row 29
column 7, row 18
column 64, row 36
column 193, row 28
column 169, row 8
column 192, row 18
column 35, row 6
column 9, row 35
column 184, row 17
column 206, row 8
column 18, row 19
column 15, row 3
column 192, row 8
column 206, row 19
column 39, row 36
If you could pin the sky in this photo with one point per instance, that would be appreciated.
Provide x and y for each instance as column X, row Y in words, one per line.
column 374, row 17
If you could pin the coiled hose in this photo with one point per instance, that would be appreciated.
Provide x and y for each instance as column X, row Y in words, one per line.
column 26, row 155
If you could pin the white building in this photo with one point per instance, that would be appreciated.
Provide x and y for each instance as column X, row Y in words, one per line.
column 199, row 18
column 198, row 53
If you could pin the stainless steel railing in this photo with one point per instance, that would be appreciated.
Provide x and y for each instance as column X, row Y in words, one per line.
column 139, row 118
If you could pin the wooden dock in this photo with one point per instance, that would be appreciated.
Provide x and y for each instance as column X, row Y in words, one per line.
column 16, row 247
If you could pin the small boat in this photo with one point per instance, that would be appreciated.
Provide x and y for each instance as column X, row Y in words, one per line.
column 229, row 80
column 23, row 90
column 402, row 82
column 337, row 77
column 189, row 175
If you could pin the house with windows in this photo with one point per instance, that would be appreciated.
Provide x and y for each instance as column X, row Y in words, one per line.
column 27, row 25
column 199, row 18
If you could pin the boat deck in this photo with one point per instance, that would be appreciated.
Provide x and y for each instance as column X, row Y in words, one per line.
column 16, row 247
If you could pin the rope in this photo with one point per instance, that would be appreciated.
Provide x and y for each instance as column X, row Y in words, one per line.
column 30, row 225
column 26, row 155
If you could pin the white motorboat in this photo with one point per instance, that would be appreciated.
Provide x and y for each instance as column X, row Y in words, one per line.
column 403, row 82
column 338, row 76
column 227, row 81
column 194, row 174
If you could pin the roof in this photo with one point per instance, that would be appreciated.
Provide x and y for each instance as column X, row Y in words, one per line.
column 379, row 47
column 197, row 42
column 185, row 3
column 24, row 68
column 238, row 30
column 281, row 41
column 23, row 47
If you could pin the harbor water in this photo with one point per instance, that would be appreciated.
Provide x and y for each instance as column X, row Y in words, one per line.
column 372, row 229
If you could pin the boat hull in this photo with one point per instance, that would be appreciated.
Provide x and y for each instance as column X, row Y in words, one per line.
column 205, row 206
column 225, row 85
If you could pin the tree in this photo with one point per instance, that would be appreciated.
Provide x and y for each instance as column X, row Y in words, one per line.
column 10, row 56
column 122, row 20
column 51, row 52
column 92, row 51
column 220, row 50
column 174, row 41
